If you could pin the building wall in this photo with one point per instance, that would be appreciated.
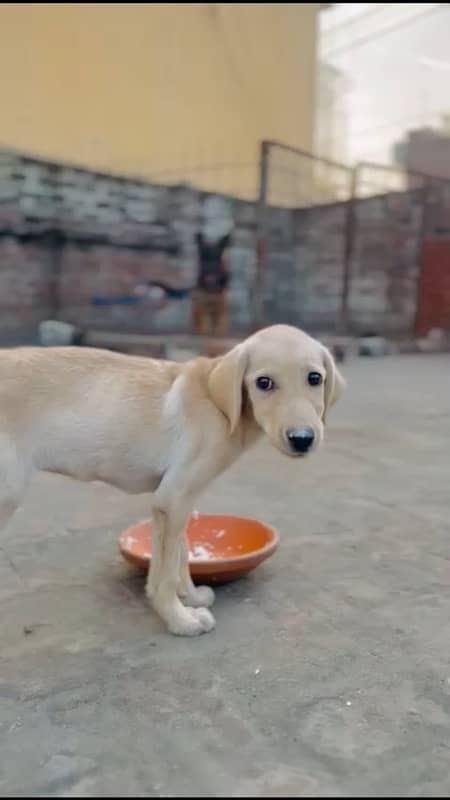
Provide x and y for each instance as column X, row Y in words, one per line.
column 428, row 152
column 140, row 88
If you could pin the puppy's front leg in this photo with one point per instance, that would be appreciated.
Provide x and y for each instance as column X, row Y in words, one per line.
column 193, row 595
column 165, row 572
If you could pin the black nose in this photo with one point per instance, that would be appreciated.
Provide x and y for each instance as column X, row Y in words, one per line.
column 300, row 439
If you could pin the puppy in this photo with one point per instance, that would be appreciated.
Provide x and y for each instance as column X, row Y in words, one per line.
column 160, row 427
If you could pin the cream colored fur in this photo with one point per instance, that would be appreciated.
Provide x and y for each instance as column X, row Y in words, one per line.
column 158, row 427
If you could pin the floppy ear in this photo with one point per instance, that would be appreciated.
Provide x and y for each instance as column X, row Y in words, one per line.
column 334, row 382
column 225, row 384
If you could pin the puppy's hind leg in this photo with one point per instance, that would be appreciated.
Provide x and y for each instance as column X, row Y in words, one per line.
column 158, row 527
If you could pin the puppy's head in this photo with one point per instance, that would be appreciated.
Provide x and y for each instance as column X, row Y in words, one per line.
column 290, row 380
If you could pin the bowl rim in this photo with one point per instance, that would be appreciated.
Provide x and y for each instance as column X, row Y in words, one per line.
column 266, row 549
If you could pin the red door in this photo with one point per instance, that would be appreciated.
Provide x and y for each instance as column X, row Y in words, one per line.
column 433, row 304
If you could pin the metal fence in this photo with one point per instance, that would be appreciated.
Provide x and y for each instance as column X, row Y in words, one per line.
column 361, row 208
column 298, row 219
column 378, row 179
column 293, row 178
column 238, row 180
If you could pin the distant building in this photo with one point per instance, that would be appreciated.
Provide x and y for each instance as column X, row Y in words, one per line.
column 331, row 130
column 426, row 150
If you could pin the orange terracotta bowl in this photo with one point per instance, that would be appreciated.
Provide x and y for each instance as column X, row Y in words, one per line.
column 221, row 548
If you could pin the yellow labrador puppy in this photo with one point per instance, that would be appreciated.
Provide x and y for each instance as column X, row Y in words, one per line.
column 161, row 427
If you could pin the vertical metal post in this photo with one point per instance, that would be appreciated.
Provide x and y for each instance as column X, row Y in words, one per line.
column 426, row 196
column 261, row 237
column 349, row 241
column 54, row 243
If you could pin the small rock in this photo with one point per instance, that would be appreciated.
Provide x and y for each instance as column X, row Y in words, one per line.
column 371, row 345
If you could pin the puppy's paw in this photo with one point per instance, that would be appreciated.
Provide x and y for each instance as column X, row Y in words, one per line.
column 205, row 618
column 192, row 622
column 199, row 597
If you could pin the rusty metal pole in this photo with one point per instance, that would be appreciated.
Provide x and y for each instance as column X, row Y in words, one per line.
column 55, row 251
column 349, row 241
column 426, row 196
column 261, row 237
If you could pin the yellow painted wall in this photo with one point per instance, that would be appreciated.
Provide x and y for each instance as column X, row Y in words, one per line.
column 140, row 88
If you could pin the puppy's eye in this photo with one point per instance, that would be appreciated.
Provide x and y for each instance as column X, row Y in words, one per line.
column 265, row 384
column 315, row 379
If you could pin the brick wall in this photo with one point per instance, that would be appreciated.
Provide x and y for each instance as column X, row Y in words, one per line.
column 68, row 234
column 94, row 234
column 385, row 262
column 307, row 253
column 306, row 264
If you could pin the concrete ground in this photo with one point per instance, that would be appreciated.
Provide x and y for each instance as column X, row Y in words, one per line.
column 329, row 671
